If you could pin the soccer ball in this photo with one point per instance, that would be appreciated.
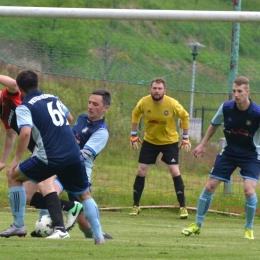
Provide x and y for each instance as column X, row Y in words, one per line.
column 43, row 226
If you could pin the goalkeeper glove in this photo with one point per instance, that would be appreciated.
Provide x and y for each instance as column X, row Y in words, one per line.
column 134, row 140
column 185, row 144
column 86, row 153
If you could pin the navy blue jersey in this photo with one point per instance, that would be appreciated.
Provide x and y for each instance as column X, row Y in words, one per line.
column 84, row 130
column 50, row 128
column 241, row 129
column 91, row 135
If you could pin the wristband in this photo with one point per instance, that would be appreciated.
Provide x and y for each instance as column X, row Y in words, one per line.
column 185, row 136
column 134, row 133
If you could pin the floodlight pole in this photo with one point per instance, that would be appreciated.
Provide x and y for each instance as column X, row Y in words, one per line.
column 233, row 68
column 194, row 54
column 194, row 49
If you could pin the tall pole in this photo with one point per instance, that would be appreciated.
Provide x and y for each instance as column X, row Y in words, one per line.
column 233, row 66
column 194, row 54
column 234, row 49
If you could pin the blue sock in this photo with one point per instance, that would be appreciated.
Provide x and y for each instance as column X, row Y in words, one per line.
column 92, row 215
column 43, row 212
column 17, row 199
column 251, row 205
column 203, row 206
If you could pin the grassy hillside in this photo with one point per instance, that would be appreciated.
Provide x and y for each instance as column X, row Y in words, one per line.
column 131, row 51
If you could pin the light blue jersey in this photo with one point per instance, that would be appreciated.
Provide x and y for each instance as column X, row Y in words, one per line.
column 92, row 135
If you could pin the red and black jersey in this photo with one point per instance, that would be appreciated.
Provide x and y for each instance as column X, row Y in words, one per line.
column 8, row 103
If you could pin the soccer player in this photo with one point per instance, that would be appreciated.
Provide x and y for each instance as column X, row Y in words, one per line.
column 58, row 154
column 241, row 118
column 160, row 136
column 91, row 133
column 10, row 98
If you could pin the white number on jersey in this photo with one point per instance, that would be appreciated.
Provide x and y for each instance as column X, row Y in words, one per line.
column 57, row 115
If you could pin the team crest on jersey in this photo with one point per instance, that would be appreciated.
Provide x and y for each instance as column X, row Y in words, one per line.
column 166, row 112
column 84, row 130
column 248, row 122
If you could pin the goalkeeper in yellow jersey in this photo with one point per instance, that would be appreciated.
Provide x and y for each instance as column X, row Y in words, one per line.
column 161, row 136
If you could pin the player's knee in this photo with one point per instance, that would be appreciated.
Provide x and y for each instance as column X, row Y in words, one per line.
column 86, row 195
column 13, row 177
column 249, row 192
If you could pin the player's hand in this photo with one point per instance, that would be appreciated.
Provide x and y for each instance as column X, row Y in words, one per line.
column 199, row 151
column 85, row 153
column 2, row 166
column 134, row 141
column 185, row 144
column 12, row 167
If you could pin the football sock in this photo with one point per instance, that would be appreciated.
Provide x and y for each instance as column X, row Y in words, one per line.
column 92, row 215
column 66, row 204
column 17, row 199
column 203, row 206
column 251, row 205
column 138, row 189
column 88, row 233
column 179, row 189
column 53, row 205
column 38, row 201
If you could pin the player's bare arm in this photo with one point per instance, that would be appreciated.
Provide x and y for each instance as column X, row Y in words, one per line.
column 134, row 126
column 200, row 149
column 23, row 141
column 70, row 118
column 9, row 83
column 10, row 136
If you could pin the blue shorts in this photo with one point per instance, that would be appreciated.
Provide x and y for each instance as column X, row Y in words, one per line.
column 73, row 177
column 224, row 167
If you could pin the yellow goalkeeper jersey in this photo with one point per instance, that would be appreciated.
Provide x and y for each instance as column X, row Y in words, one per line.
column 159, row 119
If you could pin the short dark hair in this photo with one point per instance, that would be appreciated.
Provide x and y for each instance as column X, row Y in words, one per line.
column 27, row 80
column 159, row 80
column 105, row 95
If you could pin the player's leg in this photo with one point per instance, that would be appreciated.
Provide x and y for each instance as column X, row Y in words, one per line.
column 171, row 158
column 53, row 205
column 17, row 199
column 58, row 188
column 221, row 171
column 250, row 175
column 30, row 188
column 83, row 223
column 138, row 188
column 75, row 180
column 38, row 201
column 202, row 208
column 148, row 155
column 72, row 208
column 205, row 200
column 91, row 213
column 35, row 198
column 179, row 189
column 36, row 170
